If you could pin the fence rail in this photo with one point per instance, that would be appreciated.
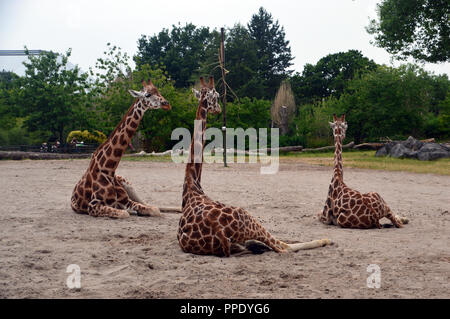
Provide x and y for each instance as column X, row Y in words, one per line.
column 63, row 149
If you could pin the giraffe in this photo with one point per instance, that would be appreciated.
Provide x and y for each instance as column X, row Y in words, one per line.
column 100, row 192
column 208, row 227
column 347, row 207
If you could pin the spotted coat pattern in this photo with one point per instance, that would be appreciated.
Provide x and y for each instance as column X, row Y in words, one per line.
column 102, row 193
column 347, row 207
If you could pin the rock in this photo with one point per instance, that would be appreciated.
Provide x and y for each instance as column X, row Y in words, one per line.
column 381, row 152
column 413, row 148
column 413, row 144
column 432, row 151
column 401, row 151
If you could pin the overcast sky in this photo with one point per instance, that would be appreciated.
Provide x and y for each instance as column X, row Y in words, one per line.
column 314, row 28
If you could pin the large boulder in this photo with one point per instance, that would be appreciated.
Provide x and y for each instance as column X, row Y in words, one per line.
column 432, row 151
column 413, row 144
column 401, row 151
column 412, row 148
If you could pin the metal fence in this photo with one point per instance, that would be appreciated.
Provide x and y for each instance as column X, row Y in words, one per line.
column 65, row 148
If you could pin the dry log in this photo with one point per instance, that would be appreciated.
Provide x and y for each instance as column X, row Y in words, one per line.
column 326, row 148
column 368, row 146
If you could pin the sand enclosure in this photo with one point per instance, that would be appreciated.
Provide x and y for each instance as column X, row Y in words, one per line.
column 139, row 257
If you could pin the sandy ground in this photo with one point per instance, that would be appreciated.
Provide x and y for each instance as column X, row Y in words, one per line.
column 140, row 258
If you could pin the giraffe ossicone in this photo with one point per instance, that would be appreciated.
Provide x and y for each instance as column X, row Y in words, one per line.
column 100, row 192
column 209, row 227
column 346, row 207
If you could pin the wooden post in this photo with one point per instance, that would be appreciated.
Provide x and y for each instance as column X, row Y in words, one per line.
column 224, row 97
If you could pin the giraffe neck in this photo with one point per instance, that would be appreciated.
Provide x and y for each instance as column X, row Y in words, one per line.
column 194, row 166
column 111, row 151
column 338, row 170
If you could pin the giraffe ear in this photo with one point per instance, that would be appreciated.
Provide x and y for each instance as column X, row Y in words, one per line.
column 197, row 94
column 331, row 124
column 136, row 94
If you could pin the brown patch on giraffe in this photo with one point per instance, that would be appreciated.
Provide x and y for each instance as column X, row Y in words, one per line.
column 103, row 180
column 108, row 151
column 102, row 161
column 118, row 152
column 129, row 132
column 111, row 163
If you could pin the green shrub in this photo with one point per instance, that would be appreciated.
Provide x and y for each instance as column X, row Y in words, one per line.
column 96, row 137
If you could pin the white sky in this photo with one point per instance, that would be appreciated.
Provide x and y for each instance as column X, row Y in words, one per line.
column 314, row 28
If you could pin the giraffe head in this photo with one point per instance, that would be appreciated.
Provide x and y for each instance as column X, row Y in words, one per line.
column 150, row 97
column 339, row 126
column 209, row 96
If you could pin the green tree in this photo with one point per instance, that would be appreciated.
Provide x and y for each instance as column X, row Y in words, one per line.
column 52, row 93
column 9, row 86
column 180, row 50
column 394, row 102
column 273, row 52
column 329, row 76
column 413, row 28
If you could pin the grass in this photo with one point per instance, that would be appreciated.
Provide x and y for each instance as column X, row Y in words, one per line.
column 358, row 159
column 367, row 160
column 147, row 158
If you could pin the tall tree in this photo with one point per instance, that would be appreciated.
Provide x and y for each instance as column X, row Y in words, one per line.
column 413, row 28
column 53, row 93
column 180, row 50
column 329, row 76
column 9, row 86
column 272, row 51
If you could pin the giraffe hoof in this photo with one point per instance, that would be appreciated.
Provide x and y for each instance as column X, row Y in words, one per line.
column 121, row 215
column 150, row 211
column 404, row 220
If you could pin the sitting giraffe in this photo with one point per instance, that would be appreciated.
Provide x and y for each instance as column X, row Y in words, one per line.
column 349, row 208
column 102, row 193
column 208, row 227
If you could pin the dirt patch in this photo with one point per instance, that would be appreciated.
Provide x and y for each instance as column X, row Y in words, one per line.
column 139, row 257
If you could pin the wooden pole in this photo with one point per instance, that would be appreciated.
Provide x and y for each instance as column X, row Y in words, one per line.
column 224, row 97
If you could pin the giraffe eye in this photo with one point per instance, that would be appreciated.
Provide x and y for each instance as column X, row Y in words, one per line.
column 147, row 95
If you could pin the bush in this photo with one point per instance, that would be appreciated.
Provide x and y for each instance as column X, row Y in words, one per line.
column 96, row 137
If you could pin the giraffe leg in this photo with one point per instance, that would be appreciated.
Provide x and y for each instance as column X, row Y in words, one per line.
column 144, row 210
column 225, row 243
column 309, row 245
column 397, row 221
column 97, row 209
column 129, row 189
column 130, row 204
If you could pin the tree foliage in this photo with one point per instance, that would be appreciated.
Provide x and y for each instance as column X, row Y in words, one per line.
column 413, row 28
column 273, row 52
column 329, row 76
column 180, row 50
column 394, row 102
column 52, row 95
